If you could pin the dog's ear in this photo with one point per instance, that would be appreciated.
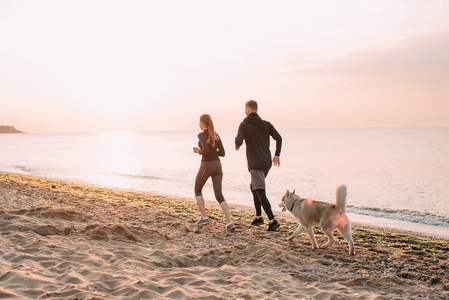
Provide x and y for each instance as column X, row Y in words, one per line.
column 287, row 193
column 294, row 192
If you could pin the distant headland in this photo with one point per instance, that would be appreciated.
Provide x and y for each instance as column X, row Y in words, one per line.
column 9, row 129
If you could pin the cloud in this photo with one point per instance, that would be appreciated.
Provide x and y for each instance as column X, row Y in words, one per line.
column 405, row 85
column 419, row 60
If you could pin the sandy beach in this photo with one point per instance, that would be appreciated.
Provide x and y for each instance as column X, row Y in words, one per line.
column 69, row 240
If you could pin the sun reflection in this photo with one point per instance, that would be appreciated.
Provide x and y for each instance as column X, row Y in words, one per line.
column 118, row 157
column 114, row 181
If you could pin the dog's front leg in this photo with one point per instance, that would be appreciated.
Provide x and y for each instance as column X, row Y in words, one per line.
column 312, row 237
column 298, row 230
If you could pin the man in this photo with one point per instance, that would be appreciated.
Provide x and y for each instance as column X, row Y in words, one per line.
column 256, row 133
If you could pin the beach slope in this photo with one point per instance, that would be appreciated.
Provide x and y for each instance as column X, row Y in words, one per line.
column 67, row 240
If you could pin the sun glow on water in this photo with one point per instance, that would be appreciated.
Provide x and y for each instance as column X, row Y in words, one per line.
column 118, row 157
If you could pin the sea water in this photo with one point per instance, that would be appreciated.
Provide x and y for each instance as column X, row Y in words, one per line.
column 391, row 173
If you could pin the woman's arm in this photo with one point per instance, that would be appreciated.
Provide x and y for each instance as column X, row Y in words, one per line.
column 204, row 146
column 220, row 148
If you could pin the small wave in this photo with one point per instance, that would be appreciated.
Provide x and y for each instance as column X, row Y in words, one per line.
column 153, row 177
column 24, row 169
column 139, row 176
column 402, row 215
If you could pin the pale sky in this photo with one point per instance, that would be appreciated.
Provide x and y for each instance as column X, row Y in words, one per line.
column 77, row 66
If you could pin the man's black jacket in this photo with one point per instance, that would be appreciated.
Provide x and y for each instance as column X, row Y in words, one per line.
column 256, row 133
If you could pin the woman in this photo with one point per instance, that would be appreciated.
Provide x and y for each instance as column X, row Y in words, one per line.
column 210, row 148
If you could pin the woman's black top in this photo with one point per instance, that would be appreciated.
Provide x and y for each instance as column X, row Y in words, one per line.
column 208, row 152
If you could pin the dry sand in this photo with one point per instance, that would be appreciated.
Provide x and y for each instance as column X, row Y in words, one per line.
column 76, row 241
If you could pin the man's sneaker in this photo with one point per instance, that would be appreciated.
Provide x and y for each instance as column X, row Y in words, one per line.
column 202, row 221
column 273, row 226
column 230, row 227
column 257, row 221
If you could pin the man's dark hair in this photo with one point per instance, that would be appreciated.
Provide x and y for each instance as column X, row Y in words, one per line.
column 252, row 104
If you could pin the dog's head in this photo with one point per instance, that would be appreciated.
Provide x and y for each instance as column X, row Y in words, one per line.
column 287, row 200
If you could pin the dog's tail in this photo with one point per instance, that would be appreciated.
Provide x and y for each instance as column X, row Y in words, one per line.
column 341, row 198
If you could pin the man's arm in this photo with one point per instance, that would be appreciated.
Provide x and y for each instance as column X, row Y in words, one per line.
column 277, row 137
column 277, row 161
column 240, row 137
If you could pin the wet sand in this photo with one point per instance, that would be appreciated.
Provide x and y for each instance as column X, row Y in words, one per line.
column 69, row 240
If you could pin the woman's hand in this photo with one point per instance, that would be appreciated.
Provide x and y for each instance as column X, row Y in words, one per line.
column 196, row 150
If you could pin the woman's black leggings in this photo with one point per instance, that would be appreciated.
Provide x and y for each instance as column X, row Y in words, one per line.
column 210, row 169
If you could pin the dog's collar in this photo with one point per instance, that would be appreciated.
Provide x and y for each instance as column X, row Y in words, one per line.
column 291, row 208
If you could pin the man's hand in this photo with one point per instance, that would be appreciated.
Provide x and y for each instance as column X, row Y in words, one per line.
column 277, row 161
column 196, row 150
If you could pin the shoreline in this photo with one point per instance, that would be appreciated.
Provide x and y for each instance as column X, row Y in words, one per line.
column 69, row 240
column 379, row 223
column 412, row 228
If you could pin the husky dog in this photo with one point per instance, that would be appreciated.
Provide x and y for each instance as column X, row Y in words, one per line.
column 311, row 213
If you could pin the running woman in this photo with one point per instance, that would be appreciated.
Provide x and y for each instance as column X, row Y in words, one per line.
column 210, row 147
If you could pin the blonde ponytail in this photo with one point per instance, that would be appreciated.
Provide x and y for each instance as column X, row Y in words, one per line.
column 213, row 136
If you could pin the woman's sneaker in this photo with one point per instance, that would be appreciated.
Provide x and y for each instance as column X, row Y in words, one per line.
column 257, row 221
column 273, row 226
column 202, row 221
column 230, row 227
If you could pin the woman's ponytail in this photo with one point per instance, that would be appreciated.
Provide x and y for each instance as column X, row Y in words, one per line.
column 213, row 137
